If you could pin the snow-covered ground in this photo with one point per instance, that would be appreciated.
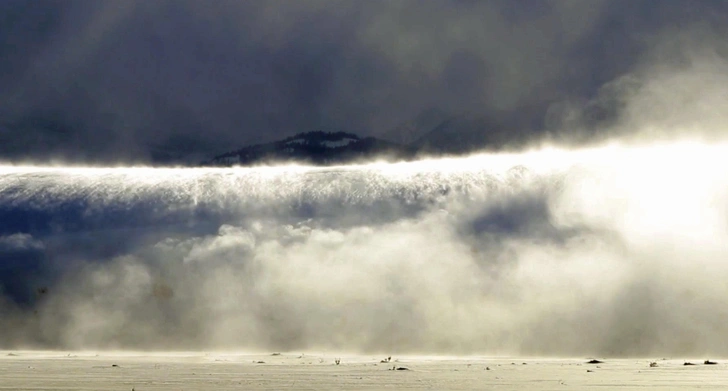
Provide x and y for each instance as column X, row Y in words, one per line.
column 301, row 371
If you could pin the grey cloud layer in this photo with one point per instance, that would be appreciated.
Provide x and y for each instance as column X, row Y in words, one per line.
column 106, row 81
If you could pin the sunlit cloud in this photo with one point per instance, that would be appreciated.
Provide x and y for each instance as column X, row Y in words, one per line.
column 539, row 252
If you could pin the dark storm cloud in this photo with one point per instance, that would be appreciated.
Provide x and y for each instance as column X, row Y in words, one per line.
column 139, row 81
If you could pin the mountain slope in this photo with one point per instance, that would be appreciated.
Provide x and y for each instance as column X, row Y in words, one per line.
column 315, row 147
column 471, row 132
column 408, row 132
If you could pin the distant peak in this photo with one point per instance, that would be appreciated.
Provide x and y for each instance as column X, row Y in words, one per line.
column 315, row 147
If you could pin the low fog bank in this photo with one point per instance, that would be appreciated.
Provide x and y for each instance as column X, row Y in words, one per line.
column 615, row 251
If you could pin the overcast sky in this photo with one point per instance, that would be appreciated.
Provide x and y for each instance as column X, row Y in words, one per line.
column 124, row 81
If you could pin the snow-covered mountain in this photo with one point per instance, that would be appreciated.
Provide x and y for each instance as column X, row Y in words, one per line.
column 315, row 147
column 432, row 132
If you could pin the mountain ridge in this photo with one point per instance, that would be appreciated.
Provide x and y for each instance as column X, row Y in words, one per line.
column 317, row 148
column 432, row 133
